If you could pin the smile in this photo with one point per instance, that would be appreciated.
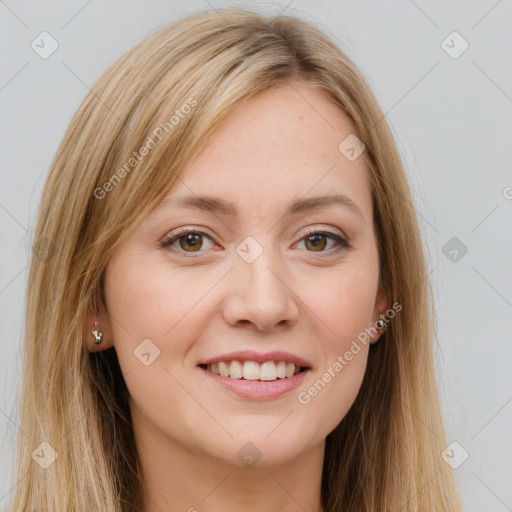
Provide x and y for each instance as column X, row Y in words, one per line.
column 252, row 370
column 253, row 380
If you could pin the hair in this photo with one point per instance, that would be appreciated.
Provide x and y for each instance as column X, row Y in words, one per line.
column 385, row 454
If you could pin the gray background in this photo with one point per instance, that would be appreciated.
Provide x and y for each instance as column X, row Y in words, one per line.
column 451, row 118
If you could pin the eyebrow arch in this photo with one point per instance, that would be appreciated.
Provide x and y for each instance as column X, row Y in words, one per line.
column 218, row 205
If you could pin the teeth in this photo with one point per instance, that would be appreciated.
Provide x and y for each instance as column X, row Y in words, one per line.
column 281, row 369
column 236, row 370
column 268, row 371
column 223, row 368
column 251, row 370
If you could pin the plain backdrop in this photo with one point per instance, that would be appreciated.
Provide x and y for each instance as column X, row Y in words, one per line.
column 448, row 99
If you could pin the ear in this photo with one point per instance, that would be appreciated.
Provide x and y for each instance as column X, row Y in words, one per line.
column 382, row 304
column 103, row 327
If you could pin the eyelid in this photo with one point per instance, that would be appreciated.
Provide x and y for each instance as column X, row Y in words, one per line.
column 341, row 240
column 171, row 238
column 319, row 229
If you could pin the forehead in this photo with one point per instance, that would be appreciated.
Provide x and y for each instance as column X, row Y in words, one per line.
column 280, row 145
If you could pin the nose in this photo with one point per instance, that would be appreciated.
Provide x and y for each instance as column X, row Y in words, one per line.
column 261, row 295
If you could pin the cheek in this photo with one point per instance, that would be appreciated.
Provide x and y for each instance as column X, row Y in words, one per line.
column 343, row 305
column 149, row 301
column 343, row 301
column 331, row 392
column 352, row 305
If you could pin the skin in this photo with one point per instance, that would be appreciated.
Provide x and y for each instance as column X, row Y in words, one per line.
column 205, row 300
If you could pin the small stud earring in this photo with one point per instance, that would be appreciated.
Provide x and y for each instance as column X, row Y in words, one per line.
column 380, row 325
column 97, row 335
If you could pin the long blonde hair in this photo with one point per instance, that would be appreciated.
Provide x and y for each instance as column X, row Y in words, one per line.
column 385, row 455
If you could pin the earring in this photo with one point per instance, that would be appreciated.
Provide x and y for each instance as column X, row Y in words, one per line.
column 97, row 335
column 380, row 325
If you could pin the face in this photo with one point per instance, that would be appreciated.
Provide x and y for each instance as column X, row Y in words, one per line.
column 263, row 273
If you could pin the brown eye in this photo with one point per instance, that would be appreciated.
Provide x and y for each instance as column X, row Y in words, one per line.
column 189, row 241
column 316, row 242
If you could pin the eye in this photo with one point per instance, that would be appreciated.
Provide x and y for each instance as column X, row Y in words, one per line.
column 318, row 240
column 189, row 240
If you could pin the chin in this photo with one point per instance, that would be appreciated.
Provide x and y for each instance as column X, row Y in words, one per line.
column 263, row 447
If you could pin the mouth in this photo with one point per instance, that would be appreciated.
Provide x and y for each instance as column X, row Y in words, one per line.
column 267, row 371
column 253, row 380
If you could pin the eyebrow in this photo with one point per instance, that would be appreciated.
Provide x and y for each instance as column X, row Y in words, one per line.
column 229, row 209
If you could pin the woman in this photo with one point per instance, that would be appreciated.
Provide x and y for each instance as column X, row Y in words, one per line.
column 228, row 305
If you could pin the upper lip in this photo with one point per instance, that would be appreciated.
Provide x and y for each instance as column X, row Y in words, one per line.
column 259, row 357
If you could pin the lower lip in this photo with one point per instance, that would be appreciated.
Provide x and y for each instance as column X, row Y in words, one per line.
column 257, row 389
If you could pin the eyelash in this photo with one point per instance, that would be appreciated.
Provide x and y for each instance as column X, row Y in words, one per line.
column 170, row 239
